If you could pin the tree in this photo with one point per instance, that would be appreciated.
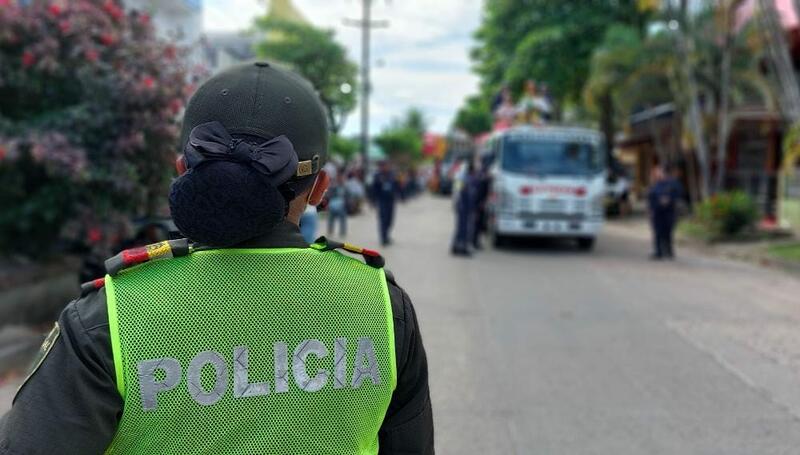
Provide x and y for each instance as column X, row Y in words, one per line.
column 474, row 116
column 415, row 120
column 612, row 64
column 315, row 54
column 344, row 147
column 401, row 144
column 402, row 139
column 88, row 118
column 549, row 41
column 780, row 60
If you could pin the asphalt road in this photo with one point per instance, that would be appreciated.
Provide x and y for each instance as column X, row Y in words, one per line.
column 542, row 349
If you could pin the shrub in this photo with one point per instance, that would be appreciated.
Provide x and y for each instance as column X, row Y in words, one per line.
column 727, row 214
column 87, row 118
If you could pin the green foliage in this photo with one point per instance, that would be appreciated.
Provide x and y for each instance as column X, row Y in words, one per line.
column 474, row 117
column 727, row 215
column 402, row 144
column 791, row 148
column 402, row 139
column 344, row 147
column 415, row 120
column 787, row 251
column 87, row 119
column 549, row 41
column 315, row 54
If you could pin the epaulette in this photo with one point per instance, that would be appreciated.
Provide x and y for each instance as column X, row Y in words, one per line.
column 371, row 257
column 134, row 256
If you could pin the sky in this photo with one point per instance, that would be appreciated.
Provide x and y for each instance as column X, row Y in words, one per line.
column 421, row 59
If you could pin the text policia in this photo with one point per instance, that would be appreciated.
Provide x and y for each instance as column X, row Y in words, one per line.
column 161, row 375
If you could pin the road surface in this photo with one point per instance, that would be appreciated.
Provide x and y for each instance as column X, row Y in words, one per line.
column 542, row 349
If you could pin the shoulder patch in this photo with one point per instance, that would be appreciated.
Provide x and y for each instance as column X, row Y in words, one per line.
column 134, row 256
column 91, row 286
column 44, row 350
column 371, row 257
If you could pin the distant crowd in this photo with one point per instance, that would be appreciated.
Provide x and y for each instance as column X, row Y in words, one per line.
column 350, row 189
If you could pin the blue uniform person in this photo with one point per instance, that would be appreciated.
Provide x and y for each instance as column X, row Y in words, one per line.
column 662, row 200
column 466, row 212
column 384, row 193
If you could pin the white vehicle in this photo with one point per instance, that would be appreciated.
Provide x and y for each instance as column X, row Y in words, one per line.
column 547, row 181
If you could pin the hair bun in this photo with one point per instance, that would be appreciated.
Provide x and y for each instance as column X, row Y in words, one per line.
column 224, row 203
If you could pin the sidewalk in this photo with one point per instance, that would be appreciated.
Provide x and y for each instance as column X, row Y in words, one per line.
column 753, row 252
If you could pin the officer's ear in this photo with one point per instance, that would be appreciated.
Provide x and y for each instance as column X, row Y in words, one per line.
column 320, row 187
column 180, row 165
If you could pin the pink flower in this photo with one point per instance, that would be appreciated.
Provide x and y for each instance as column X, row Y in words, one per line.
column 148, row 82
column 113, row 10
column 54, row 9
column 107, row 39
column 144, row 18
column 175, row 106
column 28, row 59
column 91, row 55
column 64, row 26
column 170, row 52
column 94, row 235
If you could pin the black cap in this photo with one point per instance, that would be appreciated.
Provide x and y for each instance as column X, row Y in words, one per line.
column 263, row 100
column 239, row 121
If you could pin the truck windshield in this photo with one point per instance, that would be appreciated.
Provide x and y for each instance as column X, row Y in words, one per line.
column 550, row 157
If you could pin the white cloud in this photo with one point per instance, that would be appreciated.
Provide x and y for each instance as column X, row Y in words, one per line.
column 424, row 50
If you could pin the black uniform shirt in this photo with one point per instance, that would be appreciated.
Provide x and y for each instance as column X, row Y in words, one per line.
column 70, row 404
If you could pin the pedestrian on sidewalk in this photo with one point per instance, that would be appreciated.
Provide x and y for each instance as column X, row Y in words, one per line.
column 384, row 192
column 662, row 200
column 337, row 206
column 242, row 338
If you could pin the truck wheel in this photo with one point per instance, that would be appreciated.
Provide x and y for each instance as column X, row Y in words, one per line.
column 586, row 243
column 498, row 241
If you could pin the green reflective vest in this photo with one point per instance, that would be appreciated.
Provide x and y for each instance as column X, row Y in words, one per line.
column 251, row 351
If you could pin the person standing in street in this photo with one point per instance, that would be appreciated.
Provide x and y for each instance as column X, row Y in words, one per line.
column 483, row 183
column 385, row 190
column 466, row 205
column 242, row 338
column 337, row 206
column 662, row 200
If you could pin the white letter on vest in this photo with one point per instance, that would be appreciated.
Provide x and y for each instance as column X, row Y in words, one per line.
column 339, row 362
column 366, row 351
column 194, row 376
column 241, row 381
column 148, row 387
column 281, row 367
column 301, row 377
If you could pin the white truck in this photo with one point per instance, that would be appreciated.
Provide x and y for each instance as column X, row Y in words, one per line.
column 547, row 181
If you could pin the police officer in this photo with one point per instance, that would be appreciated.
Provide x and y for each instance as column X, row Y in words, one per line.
column 384, row 192
column 466, row 205
column 662, row 200
column 247, row 340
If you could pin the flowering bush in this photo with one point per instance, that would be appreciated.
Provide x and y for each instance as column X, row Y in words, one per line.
column 728, row 214
column 87, row 119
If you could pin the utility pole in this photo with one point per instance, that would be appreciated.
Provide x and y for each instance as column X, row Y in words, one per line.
column 366, row 24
